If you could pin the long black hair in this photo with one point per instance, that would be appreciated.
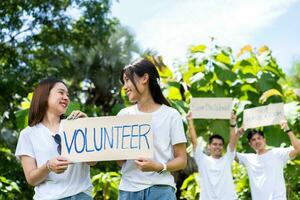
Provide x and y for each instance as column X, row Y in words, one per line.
column 141, row 67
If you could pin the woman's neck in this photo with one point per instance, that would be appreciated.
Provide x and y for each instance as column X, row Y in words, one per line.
column 51, row 121
column 147, row 104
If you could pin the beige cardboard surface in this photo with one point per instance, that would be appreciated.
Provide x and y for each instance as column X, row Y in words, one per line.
column 107, row 138
column 211, row 108
column 263, row 116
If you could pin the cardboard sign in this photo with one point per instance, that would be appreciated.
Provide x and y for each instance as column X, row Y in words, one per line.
column 107, row 138
column 211, row 108
column 263, row 116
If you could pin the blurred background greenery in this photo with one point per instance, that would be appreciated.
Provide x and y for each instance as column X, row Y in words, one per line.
column 40, row 39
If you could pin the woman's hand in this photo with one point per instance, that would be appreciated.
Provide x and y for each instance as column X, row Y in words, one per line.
column 77, row 114
column 147, row 165
column 58, row 165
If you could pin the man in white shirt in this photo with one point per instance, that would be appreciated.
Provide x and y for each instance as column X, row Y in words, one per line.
column 265, row 167
column 216, row 181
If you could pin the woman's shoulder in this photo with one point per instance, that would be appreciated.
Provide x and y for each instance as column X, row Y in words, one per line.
column 127, row 110
column 29, row 130
column 170, row 110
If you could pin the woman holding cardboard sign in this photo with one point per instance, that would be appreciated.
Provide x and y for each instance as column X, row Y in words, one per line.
column 39, row 147
column 151, row 178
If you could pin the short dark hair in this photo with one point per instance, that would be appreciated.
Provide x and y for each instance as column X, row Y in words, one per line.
column 39, row 102
column 252, row 132
column 215, row 136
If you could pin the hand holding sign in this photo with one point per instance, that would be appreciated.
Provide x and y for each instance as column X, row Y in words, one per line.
column 76, row 114
column 58, row 164
column 147, row 165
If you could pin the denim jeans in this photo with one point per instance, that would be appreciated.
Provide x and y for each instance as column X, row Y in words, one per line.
column 79, row 196
column 155, row 192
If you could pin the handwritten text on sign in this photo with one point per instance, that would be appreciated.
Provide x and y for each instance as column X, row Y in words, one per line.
column 263, row 115
column 211, row 108
column 107, row 138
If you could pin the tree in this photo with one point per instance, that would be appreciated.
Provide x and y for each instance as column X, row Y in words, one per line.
column 34, row 39
column 40, row 39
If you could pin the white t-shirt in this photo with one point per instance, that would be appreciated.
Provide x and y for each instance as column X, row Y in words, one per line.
column 216, row 181
column 38, row 143
column 266, row 173
column 167, row 130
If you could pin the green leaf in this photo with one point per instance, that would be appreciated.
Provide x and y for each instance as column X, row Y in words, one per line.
column 266, row 82
column 248, row 87
column 22, row 118
column 275, row 136
column 223, row 73
column 197, row 77
column 223, row 59
column 73, row 106
column 220, row 127
column 267, row 94
column 199, row 48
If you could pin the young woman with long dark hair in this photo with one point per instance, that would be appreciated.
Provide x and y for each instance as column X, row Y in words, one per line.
column 151, row 178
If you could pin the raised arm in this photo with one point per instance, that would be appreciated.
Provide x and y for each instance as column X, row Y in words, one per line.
column 294, row 141
column 234, row 132
column 192, row 130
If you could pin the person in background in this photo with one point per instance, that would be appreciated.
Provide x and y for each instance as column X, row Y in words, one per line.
column 216, row 182
column 265, row 167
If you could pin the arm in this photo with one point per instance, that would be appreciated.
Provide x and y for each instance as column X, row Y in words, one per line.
column 35, row 175
column 234, row 133
column 294, row 141
column 179, row 161
column 192, row 130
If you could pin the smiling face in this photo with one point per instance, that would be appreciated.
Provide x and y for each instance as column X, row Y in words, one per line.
column 258, row 142
column 58, row 99
column 135, row 91
column 216, row 148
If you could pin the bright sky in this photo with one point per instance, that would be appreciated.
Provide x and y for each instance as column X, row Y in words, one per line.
column 171, row 26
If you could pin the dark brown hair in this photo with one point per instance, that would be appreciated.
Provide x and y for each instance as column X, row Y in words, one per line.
column 141, row 67
column 39, row 102
column 252, row 132
column 215, row 136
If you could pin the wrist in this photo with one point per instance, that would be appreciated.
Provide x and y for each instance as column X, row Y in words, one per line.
column 163, row 168
column 190, row 122
column 287, row 130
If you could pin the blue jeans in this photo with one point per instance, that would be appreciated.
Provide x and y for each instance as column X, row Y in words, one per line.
column 79, row 196
column 155, row 192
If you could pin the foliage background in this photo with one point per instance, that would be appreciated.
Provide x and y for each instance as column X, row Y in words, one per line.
column 40, row 39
